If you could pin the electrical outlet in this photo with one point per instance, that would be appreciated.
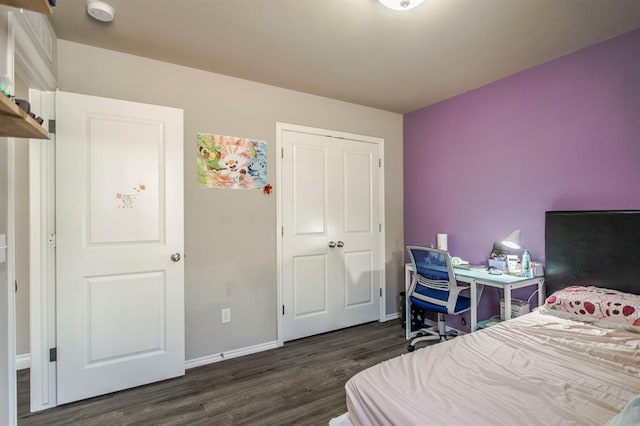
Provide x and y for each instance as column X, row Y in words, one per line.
column 226, row 315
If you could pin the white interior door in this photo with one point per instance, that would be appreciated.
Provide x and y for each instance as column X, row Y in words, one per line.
column 331, row 239
column 308, row 214
column 119, row 211
column 359, row 230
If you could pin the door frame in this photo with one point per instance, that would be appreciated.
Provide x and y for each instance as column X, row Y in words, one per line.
column 42, row 260
column 282, row 127
column 12, row 410
column 30, row 53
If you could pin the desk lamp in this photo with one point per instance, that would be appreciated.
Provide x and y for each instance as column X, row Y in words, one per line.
column 510, row 245
column 513, row 240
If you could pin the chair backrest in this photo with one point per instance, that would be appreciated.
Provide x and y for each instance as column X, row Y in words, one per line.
column 433, row 271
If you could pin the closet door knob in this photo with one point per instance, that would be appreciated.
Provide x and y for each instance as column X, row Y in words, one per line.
column 176, row 257
column 340, row 244
column 332, row 244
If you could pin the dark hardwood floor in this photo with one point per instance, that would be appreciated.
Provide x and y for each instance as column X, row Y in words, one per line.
column 301, row 383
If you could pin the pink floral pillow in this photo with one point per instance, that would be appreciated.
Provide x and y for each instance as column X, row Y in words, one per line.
column 596, row 304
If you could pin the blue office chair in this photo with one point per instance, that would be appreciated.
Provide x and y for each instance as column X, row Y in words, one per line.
column 434, row 288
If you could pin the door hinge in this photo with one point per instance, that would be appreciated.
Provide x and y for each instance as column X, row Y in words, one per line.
column 51, row 241
column 281, row 152
column 282, row 231
column 52, row 126
column 379, row 162
column 282, row 309
column 16, row 284
column 379, row 227
column 380, row 292
column 53, row 354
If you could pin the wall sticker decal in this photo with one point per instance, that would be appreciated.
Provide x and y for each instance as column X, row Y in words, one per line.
column 125, row 201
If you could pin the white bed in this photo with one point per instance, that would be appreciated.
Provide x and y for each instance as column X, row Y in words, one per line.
column 536, row 369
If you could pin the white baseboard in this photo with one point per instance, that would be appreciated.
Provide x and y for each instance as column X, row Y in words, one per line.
column 210, row 359
column 391, row 317
column 23, row 361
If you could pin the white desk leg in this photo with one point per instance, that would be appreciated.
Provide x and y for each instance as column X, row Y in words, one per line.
column 541, row 294
column 474, row 304
column 407, row 303
column 507, row 302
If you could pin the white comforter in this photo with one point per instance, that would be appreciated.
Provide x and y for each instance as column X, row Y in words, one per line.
column 533, row 370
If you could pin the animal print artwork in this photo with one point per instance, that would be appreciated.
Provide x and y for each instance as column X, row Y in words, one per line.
column 231, row 162
column 126, row 201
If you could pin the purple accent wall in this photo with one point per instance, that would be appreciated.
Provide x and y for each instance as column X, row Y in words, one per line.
column 564, row 135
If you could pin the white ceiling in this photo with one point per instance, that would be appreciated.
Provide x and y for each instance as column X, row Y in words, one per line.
column 354, row 50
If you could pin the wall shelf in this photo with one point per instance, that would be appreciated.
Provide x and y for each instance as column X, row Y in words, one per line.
column 40, row 6
column 15, row 123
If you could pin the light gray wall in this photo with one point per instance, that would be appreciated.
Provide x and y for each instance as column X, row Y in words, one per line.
column 22, row 233
column 230, row 235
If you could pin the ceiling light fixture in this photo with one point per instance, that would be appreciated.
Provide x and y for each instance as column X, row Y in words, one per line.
column 401, row 4
column 100, row 10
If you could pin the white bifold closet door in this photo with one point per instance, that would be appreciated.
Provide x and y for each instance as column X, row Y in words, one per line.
column 331, row 249
column 119, row 224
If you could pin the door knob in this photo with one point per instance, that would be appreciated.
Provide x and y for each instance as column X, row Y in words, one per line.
column 176, row 257
column 332, row 244
column 340, row 244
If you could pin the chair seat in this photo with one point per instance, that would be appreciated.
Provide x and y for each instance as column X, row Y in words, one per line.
column 462, row 304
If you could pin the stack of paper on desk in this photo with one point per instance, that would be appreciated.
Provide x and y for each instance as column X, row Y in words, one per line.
column 472, row 267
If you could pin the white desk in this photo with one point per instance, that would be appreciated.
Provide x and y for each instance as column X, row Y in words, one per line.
column 477, row 279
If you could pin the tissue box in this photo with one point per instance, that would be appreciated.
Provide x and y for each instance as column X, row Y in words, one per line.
column 498, row 264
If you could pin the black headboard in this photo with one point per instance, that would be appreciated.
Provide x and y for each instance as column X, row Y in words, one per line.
column 600, row 248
